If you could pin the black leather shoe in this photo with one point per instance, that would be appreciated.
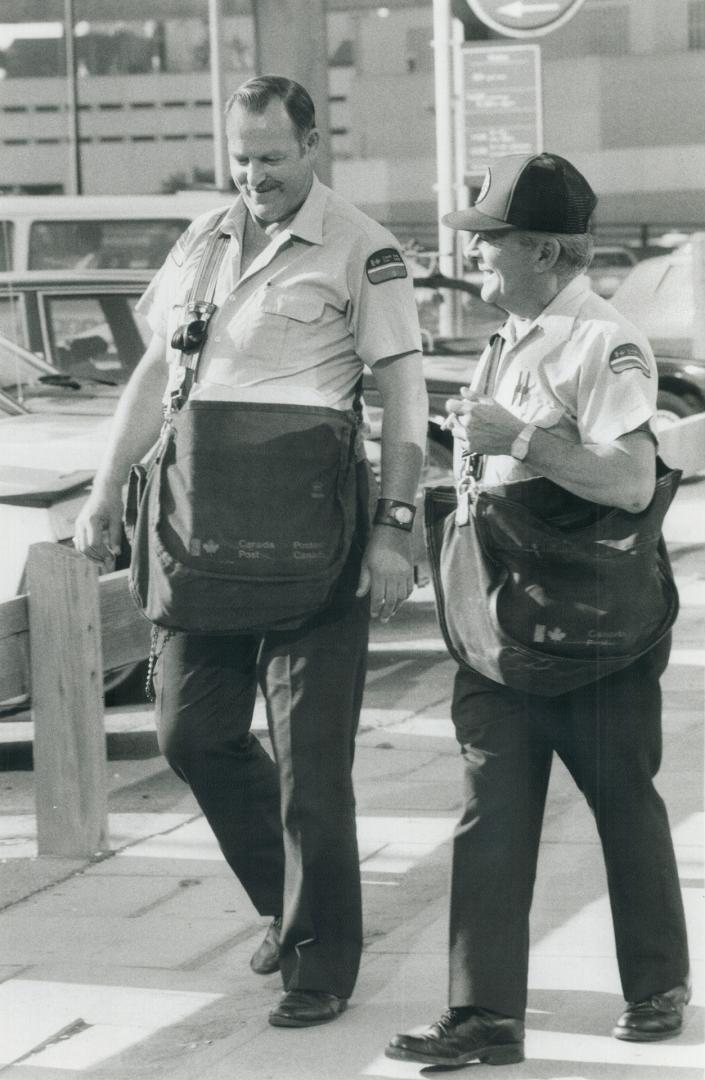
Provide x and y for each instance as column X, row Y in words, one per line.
column 458, row 1038
column 658, row 1017
column 303, row 1008
column 265, row 961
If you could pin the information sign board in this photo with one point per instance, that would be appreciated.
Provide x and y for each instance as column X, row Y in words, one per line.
column 502, row 104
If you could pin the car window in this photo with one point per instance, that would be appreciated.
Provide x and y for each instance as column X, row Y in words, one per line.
column 96, row 337
column 6, row 240
column 657, row 296
column 602, row 259
column 19, row 369
column 11, row 318
column 104, row 245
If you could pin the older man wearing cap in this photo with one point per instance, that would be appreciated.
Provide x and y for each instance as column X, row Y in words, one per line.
column 574, row 401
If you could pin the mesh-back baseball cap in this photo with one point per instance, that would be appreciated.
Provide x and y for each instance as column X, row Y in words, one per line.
column 537, row 192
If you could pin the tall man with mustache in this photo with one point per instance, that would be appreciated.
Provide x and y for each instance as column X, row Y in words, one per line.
column 309, row 291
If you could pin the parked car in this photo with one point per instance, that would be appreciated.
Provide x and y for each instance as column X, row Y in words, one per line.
column 609, row 266
column 99, row 232
column 658, row 295
column 67, row 347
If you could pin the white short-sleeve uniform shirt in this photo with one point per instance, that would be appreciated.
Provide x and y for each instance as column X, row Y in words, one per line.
column 580, row 370
column 328, row 295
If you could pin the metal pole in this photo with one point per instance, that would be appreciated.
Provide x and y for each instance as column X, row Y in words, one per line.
column 443, row 72
column 220, row 146
column 698, row 279
column 75, row 184
column 462, row 195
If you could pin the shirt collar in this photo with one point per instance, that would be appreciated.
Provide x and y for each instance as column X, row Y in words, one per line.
column 564, row 301
column 306, row 225
column 563, row 304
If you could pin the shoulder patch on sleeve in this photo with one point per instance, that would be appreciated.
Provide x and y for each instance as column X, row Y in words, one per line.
column 628, row 356
column 385, row 264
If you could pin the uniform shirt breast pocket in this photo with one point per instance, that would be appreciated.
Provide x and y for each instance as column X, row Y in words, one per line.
column 285, row 328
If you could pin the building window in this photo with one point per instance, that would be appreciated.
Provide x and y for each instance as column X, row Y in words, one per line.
column 696, row 24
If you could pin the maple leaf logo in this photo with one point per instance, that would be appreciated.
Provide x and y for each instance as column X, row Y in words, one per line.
column 557, row 634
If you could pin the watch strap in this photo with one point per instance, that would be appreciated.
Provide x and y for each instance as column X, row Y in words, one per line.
column 400, row 515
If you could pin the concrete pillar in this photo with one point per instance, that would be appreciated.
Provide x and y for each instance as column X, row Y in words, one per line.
column 291, row 40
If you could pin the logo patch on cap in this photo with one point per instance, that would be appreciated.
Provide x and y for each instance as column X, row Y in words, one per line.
column 385, row 264
column 485, row 186
column 626, row 357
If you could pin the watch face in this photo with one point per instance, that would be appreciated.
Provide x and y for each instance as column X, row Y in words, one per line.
column 402, row 514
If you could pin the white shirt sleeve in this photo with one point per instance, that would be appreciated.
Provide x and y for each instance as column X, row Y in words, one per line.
column 384, row 317
column 618, row 385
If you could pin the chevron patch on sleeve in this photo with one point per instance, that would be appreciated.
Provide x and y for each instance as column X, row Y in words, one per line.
column 628, row 356
column 385, row 264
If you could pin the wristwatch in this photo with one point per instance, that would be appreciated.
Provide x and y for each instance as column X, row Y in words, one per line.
column 399, row 515
column 520, row 446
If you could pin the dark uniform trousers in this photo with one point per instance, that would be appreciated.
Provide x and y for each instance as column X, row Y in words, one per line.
column 608, row 734
column 286, row 827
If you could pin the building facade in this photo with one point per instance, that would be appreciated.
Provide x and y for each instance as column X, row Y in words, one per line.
column 623, row 97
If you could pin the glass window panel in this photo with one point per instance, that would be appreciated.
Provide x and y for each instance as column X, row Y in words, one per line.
column 7, row 232
column 103, row 245
column 96, row 337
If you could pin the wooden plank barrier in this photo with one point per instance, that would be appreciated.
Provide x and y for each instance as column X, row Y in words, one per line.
column 78, row 625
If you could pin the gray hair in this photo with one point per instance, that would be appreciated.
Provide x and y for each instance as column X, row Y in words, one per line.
column 575, row 250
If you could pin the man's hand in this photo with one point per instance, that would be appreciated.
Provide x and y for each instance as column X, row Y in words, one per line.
column 98, row 529
column 487, row 427
column 387, row 571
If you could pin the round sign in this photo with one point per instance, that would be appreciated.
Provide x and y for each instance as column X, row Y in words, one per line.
column 524, row 18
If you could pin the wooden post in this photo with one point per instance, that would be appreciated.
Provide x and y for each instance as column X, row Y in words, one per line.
column 70, row 770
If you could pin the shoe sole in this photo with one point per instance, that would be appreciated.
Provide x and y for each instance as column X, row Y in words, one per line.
column 510, row 1054
column 279, row 1020
column 644, row 1036
column 264, row 970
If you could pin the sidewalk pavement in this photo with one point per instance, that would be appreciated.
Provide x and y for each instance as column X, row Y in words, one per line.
column 135, row 965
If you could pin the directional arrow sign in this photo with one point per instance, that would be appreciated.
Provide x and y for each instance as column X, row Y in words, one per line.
column 524, row 18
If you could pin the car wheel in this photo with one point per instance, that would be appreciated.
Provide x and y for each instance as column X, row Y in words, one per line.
column 672, row 407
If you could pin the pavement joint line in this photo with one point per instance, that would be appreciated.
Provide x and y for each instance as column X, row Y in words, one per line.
column 74, row 872
column 89, row 862
column 189, row 820
column 196, row 962
column 176, row 891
